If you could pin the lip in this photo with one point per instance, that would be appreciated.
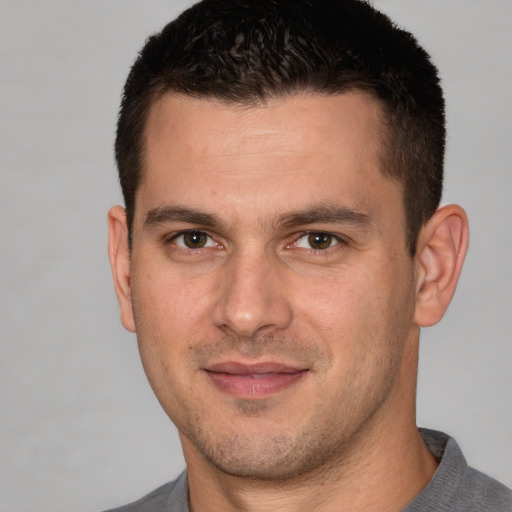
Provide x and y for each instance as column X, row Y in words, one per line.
column 253, row 381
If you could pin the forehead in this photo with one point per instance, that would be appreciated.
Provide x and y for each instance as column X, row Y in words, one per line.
column 290, row 152
column 287, row 122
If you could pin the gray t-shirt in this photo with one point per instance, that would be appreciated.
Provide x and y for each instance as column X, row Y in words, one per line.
column 455, row 487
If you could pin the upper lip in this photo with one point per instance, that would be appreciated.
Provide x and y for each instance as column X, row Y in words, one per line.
column 236, row 368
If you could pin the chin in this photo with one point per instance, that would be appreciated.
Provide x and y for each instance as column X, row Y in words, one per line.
column 274, row 457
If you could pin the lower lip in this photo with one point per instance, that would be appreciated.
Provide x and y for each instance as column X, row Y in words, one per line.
column 255, row 385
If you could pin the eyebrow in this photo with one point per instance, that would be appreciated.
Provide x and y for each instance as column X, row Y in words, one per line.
column 326, row 214
column 166, row 214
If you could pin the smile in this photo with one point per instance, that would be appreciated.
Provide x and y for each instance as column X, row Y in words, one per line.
column 253, row 381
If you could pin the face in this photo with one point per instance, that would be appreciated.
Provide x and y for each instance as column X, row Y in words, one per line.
column 270, row 285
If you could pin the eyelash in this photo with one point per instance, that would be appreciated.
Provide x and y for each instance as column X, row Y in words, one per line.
column 172, row 239
column 334, row 240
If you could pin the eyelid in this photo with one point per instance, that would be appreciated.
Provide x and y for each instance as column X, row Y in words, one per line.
column 174, row 236
column 212, row 242
column 338, row 239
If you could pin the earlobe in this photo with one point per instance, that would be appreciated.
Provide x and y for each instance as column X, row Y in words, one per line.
column 442, row 247
column 119, row 255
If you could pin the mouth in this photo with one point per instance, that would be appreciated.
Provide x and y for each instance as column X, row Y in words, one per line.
column 253, row 381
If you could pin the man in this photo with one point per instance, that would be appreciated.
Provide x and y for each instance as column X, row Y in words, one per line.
column 281, row 247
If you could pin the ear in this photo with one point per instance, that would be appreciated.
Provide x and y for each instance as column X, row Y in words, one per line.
column 119, row 255
column 442, row 247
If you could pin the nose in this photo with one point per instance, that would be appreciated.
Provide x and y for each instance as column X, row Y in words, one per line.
column 253, row 296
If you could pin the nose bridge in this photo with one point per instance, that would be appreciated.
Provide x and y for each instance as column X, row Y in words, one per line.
column 251, row 298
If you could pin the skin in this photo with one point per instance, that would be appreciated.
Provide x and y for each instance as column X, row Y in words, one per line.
column 226, row 272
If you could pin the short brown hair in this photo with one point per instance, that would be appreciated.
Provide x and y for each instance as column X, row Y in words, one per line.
column 245, row 51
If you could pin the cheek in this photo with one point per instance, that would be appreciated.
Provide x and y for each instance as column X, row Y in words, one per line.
column 169, row 300
column 357, row 311
column 171, row 315
column 341, row 302
column 164, row 321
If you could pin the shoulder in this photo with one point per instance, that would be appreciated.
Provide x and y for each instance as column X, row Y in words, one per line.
column 456, row 487
column 482, row 493
column 170, row 497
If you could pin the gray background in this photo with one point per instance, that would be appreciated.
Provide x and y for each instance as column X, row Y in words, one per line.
column 79, row 428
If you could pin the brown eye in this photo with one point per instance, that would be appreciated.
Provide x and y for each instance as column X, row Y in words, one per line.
column 194, row 239
column 320, row 240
